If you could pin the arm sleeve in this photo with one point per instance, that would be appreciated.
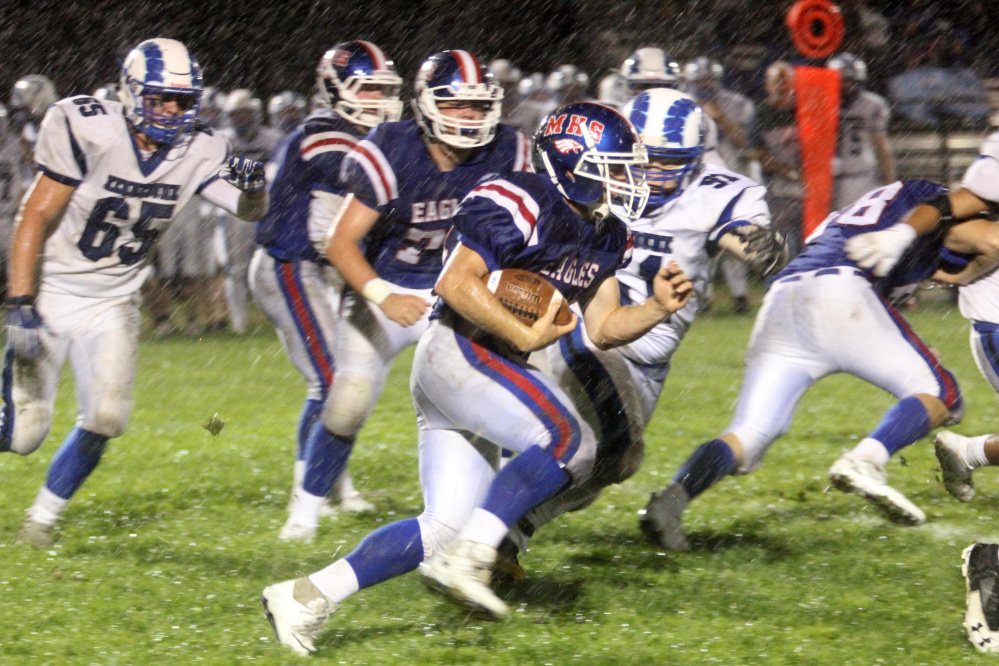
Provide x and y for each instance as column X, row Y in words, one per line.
column 222, row 194
column 57, row 152
column 324, row 207
column 748, row 206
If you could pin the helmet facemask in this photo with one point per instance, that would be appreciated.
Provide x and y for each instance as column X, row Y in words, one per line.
column 618, row 179
column 343, row 97
column 460, row 132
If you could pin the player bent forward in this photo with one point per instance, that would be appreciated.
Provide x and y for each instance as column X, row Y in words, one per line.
column 473, row 390
column 112, row 175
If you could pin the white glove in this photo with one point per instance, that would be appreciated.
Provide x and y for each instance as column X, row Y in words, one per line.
column 880, row 250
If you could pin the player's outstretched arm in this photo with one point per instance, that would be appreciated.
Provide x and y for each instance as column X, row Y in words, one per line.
column 461, row 286
column 762, row 248
column 881, row 250
column 249, row 200
column 610, row 324
column 343, row 249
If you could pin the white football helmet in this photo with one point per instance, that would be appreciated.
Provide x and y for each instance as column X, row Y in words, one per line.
column 613, row 90
column 567, row 83
column 33, row 94
column 163, row 68
column 107, row 92
column 243, row 110
column 505, row 72
column 286, row 110
column 672, row 127
column 650, row 67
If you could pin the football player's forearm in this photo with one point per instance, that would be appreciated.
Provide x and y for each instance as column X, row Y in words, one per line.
column 627, row 323
column 252, row 206
column 467, row 295
column 37, row 219
column 347, row 258
column 974, row 237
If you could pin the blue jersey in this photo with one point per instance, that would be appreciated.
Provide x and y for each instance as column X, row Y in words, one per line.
column 309, row 159
column 876, row 210
column 392, row 172
column 522, row 221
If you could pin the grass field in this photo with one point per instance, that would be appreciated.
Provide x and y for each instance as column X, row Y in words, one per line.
column 162, row 555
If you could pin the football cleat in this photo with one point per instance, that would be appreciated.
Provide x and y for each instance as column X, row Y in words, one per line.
column 507, row 570
column 297, row 611
column 956, row 474
column 852, row 475
column 297, row 532
column 660, row 519
column 980, row 567
column 34, row 534
column 356, row 504
column 462, row 573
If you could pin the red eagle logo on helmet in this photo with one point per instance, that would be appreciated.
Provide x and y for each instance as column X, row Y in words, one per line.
column 567, row 146
column 341, row 57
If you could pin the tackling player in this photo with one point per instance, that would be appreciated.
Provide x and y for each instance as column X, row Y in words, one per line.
column 472, row 387
column 405, row 181
column 802, row 334
column 111, row 176
column 290, row 278
column 695, row 210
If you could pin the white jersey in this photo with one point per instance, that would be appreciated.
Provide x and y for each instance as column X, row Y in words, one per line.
column 980, row 301
column 685, row 230
column 123, row 199
column 866, row 116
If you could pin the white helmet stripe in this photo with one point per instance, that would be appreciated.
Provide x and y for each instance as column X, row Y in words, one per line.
column 469, row 66
column 377, row 55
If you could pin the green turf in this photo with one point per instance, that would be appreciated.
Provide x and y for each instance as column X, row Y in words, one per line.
column 162, row 555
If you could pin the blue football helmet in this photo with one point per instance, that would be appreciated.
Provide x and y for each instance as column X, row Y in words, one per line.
column 457, row 76
column 650, row 67
column 350, row 67
column 594, row 157
column 672, row 127
column 160, row 67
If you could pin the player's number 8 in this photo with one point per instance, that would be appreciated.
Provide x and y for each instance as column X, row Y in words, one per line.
column 99, row 236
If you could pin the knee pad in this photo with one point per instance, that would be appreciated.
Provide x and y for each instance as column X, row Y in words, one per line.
column 348, row 405
column 110, row 418
column 31, row 426
column 755, row 443
column 436, row 535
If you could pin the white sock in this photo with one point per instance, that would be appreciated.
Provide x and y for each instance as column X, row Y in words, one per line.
column 337, row 581
column 298, row 476
column 47, row 507
column 483, row 527
column 972, row 452
column 305, row 509
column 872, row 451
column 344, row 488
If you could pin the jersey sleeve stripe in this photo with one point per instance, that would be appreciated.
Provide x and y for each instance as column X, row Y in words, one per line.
column 81, row 160
column 377, row 167
column 324, row 143
column 725, row 223
column 58, row 177
column 523, row 160
column 518, row 203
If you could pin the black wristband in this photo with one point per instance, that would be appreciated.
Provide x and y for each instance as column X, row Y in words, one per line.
column 16, row 301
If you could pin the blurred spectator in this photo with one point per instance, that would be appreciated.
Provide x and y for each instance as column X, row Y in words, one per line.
column 863, row 159
column 773, row 138
column 938, row 85
column 507, row 75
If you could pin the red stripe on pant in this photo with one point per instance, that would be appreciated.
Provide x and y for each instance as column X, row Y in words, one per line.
column 565, row 430
column 301, row 312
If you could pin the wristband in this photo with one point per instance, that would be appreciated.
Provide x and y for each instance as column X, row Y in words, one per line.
column 376, row 290
column 15, row 301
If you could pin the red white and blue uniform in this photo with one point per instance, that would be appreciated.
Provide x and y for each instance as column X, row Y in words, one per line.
column 291, row 279
column 470, row 388
column 392, row 172
column 823, row 315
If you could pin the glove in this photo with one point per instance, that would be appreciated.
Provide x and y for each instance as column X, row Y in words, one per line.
column 244, row 173
column 24, row 325
column 879, row 251
column 766, row 250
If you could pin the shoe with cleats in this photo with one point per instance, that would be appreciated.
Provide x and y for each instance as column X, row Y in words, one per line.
column 462, row 573
column 860, row 477
column 297, row 611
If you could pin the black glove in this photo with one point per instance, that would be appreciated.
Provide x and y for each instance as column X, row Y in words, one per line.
column 766, row 250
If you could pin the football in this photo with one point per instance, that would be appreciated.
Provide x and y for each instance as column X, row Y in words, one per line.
column 527, row 295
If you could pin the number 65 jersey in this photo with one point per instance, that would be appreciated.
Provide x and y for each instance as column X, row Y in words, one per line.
column 123, row 200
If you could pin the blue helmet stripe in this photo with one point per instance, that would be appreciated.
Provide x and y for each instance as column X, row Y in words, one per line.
column 639, row 112
column 676, row 119
column 154, row 61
